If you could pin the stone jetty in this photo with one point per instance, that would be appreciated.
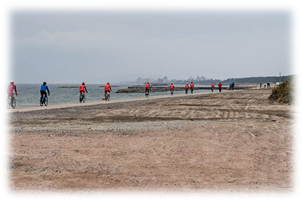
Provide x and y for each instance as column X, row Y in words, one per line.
column 141, row 89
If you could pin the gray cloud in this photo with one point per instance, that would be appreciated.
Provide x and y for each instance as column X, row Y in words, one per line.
column 101, row 47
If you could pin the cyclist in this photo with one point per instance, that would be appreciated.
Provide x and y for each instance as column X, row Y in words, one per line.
column 10, row 90
column 171, row 88
column 186, row 88
column 43, row 89
column 212, row 86
column 219, row 86
column 83, row 88
column 147, row 88
column 191, row 87
column 107, row 89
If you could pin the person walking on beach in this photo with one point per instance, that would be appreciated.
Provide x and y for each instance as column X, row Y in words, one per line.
column 186, row 88
column 219, row 86
column 212, row 87
column 43, row 90
column 233, row 85
column 171, row 88
column 260, row 85
column 191, row 87
column 147, row 88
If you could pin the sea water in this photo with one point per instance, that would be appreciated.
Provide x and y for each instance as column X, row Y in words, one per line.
column 29, row 94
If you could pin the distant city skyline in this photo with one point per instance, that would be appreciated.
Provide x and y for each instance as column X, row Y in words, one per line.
column 156, row 80
column 98, row 47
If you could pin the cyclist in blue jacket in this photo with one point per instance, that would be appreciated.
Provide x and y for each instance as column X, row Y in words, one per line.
column 43, row 89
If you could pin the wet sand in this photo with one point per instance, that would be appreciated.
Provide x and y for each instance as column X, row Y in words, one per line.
column 233, row 141
column 89, row 103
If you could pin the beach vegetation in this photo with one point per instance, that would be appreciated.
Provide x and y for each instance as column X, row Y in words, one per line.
column 283, row 93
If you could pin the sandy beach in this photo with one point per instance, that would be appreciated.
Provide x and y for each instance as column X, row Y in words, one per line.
column 230, row 141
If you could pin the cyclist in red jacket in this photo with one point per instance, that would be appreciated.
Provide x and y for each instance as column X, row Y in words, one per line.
column 212, row 87
column 172, row 88
column 191, row 87
column 11, row 88
column 219, row 86
column 147, row 88
column 107, row 88
column 186, row 88
column 83, row 88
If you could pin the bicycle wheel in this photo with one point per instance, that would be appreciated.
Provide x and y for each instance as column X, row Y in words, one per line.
column 46, row 101
column 84, row 99
column 8, row 103
column 14, row 103
column 41, row 101
column 108, row 98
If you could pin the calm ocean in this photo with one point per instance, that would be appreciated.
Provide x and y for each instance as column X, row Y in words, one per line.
column 29, row 94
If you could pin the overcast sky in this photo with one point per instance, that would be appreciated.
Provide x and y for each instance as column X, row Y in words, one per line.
column 70, row 47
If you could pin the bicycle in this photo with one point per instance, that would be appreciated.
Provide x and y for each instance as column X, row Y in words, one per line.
column 172, row 91
column 147, row 94
column 82, row 97
column 11, row 102
column 107, row 96
column 44, row 100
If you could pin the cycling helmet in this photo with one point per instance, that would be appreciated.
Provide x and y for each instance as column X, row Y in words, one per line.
column 83, row 83
column 44, row 83
column 12, row 81
column 108, row 83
